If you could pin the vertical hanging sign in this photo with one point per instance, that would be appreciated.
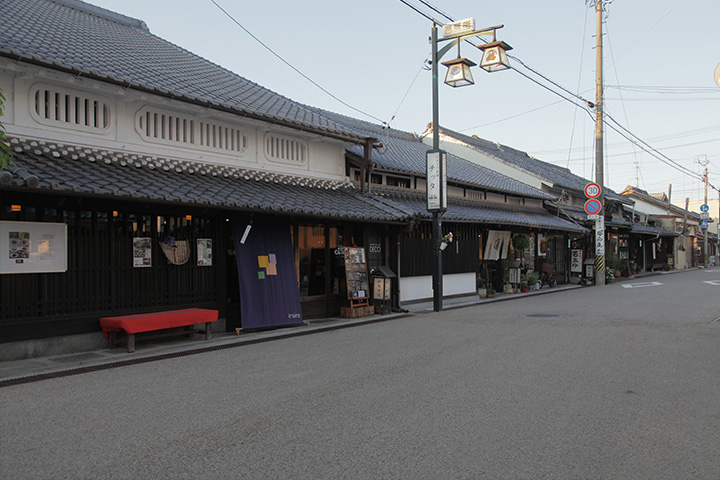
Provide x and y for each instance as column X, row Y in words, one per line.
column 436, row 175
column 600, row 235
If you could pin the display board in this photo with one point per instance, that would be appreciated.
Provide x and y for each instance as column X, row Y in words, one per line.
column 33, row 247
column 356, row 273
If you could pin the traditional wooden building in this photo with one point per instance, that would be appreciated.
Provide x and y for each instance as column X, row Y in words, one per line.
column 138, row 162
column 566, row 252
column 142, row 173
column 675, row 239
column 486, row 210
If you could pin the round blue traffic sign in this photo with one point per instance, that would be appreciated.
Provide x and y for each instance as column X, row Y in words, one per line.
column 704, row 208
column 593, row 206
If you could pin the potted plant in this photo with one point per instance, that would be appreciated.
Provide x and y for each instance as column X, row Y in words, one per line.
column 615, row 264
column 446, row 240
column 521, row 242
column 532, row 279
column 481, row 289
column 490, row 293
column 609, row 275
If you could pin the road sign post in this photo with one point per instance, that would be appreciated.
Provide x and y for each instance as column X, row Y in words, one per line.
column 594, row 207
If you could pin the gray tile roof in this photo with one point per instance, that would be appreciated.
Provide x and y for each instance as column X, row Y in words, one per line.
column 45, row 167
column 74, row 36
column 403, row 152
column 650, row 230
column 485, row 213
column 558, row 176
column 657, row 199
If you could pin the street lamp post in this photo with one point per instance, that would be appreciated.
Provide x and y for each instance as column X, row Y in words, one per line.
column 494, row 59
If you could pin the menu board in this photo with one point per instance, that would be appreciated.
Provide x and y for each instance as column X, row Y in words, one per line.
column 33, row 247
column 356, row 273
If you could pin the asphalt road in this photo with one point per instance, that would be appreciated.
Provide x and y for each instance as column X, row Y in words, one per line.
column 593, row 383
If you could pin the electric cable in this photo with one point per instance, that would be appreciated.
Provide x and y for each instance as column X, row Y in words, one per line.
column 292, row 66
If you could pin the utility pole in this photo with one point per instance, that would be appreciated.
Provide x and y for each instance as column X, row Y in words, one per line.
column 599, row 175
column 705, row 200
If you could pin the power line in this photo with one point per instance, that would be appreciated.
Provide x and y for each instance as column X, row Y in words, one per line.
column 292, row 66
column 621, row 130
column 625, row 133
column 582, row 56
column 665, row 89
column 511, row 117
column 672, row 136
column 422, row 67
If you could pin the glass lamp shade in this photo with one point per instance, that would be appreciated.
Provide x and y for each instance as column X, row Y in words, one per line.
column 495, row 56
column 459, row 74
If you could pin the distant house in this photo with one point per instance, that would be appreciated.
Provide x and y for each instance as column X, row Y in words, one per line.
column 678, row 239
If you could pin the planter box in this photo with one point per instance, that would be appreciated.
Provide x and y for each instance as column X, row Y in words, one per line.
column 347, row 312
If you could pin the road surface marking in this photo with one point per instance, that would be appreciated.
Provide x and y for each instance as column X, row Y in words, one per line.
column 642, row 284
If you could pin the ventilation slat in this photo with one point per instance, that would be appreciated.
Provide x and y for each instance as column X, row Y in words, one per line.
column 285, row 149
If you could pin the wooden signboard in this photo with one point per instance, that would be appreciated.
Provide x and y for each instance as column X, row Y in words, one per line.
column 358, row 284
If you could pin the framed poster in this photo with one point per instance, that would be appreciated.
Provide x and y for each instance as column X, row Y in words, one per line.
column 33, row 247
column 142, row 252
column 204, row 252
column 356, row 273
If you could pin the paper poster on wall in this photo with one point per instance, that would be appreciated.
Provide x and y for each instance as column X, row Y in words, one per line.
column 142, row 252
column 33, row 247
column 204, row 252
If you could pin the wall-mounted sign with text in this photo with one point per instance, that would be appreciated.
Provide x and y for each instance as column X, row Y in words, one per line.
column 436, row 175
column 33, row 247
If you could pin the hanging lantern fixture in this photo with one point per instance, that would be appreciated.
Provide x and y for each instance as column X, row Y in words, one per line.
column 459, row 74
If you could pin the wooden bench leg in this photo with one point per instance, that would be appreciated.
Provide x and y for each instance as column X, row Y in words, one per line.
column 130, row 342
column 208, row 331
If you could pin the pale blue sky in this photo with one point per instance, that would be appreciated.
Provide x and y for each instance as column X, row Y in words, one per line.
column 368, row 54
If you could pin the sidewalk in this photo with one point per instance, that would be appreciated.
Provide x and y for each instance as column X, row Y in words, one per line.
column 34, row 369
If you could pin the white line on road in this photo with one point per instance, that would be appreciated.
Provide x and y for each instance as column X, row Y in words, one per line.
column 712, row 282
column 642, row 284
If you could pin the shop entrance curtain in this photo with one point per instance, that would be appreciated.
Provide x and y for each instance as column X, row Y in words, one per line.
column 269, row 295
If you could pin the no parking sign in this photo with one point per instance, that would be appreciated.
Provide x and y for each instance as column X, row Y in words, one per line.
column 593, row 206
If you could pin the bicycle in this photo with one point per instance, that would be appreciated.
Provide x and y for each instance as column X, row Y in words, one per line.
column 548, row 275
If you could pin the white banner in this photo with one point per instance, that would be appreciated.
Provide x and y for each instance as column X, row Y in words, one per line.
column 498, row 243
column 506, row 244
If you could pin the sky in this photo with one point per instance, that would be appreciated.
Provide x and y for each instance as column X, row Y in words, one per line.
column 659, row 62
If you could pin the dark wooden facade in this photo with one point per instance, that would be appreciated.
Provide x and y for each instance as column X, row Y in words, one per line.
column 101, row 278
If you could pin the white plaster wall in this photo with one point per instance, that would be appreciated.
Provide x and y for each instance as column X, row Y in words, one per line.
column 464, row 151
column 326, row 157
column 420, row 288
column 6, row 86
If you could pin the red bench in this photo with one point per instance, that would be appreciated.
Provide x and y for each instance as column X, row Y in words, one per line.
column 148, row 322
